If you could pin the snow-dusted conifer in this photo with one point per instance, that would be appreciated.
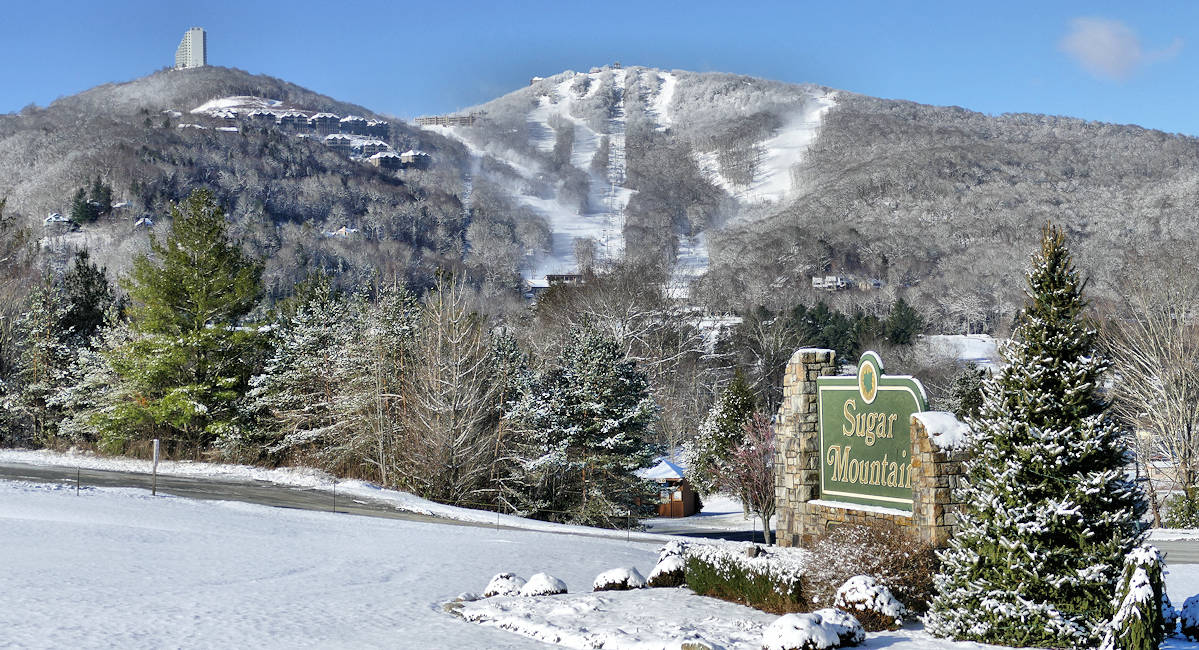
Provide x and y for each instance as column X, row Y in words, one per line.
column 1048, row 514
column 722, row 431
column 296, row 394
column 373, row 362
column 44, row 362
column 582, row 429
column 1140, row 622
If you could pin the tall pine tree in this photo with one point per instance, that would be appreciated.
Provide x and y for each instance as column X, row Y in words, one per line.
column 189, row 360
column 1048, row 514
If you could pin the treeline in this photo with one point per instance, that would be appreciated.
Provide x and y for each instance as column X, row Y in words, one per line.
column 548, row 413
column 425, row 395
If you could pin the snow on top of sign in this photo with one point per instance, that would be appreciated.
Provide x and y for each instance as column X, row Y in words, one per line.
column 662, row 471
column 945, row 431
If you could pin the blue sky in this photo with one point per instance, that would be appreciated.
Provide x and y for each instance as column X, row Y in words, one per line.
column 1109, row 61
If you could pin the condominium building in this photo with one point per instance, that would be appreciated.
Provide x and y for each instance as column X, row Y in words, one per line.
column 193, row 49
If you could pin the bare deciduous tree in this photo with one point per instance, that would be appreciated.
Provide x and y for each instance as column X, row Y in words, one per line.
column 1155, row 346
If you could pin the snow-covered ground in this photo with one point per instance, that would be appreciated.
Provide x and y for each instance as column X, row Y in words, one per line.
column 979, row 349
column 119, row 568
column 316, row 479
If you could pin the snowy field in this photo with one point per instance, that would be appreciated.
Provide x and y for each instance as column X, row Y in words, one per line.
column 119, row 568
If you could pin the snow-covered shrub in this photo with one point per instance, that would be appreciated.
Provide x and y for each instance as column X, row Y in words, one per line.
column 771, row 581
column 670, row 572
column 672, row 548
column 1169, row 616
column 1182, row 511
column 504, row 584
column 809, row 632
column 1141, row 603
column 1188, row 618
column 904, row 564
column 846, row 625
column 543, row 584
column 621, row 579
column 875, row 607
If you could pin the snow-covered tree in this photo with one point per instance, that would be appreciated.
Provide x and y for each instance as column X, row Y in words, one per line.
column 582, row 429
column 707, row 455
column 1144, row 616
column 296, row 394
column 451, row 404
column 1048, row 514
column 44, row 361
column 372, row 364
column 749, row 470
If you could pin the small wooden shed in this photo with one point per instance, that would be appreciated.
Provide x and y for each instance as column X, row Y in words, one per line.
column 677, row 498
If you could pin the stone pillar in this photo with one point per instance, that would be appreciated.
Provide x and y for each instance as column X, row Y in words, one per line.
column 797, row 432
column 935, row 476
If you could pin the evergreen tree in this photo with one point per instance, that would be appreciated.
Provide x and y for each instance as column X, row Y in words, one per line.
column 88, row 297
column 44, row 362
column 295, row 396
column 723, row 430
column 966, row 395
column 1048, row 513
column 100, row 199
column 903, row 323
column 189, row 360
column 82, row 211
column 372, row 366
column 583, row 429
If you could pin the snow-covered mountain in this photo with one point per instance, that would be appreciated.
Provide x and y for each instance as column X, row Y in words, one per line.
column 575, row 130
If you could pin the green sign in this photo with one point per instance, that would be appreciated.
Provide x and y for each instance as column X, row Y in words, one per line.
column 865, row 436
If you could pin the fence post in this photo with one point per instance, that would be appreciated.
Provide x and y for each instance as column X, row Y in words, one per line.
column 77, row 472
column 334, row 494
column 154, row 480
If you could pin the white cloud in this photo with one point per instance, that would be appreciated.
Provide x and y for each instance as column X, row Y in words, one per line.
column 1109, row 49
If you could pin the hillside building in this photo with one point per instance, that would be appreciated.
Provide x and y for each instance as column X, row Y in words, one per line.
column 193, row 49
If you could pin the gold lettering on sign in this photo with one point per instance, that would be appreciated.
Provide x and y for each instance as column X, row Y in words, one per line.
column 847, row 469
column 871, row 426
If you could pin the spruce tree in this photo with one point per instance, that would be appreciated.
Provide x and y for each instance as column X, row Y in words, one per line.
column 583, row 430
column 295, row 396
column 1048, row 513
column 722, row 431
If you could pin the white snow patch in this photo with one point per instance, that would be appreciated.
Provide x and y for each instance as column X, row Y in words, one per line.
column 800, row 631
column 774, row 179
column 661, row 104
column 504, row 584
column 665, row 469
column 980, row 349
column 246, row 102
column 857, row 506
column 945, row 431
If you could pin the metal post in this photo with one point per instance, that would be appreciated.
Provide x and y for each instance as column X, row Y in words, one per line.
column 154, row 480
column 334, row 495
column 77, row 480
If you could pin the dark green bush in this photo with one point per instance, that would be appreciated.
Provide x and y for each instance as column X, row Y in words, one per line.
column 731, row 581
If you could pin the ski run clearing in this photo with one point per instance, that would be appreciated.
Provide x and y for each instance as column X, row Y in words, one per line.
column 120, row 568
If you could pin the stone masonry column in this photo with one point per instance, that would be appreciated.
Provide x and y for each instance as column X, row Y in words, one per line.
column 797, row 433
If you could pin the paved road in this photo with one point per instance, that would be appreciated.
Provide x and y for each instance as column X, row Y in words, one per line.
column 269, row 494
column 282, row 496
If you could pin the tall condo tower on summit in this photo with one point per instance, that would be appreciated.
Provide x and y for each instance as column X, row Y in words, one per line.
column 193, row 49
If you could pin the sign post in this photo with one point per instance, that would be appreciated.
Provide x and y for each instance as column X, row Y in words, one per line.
column 154, row 479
